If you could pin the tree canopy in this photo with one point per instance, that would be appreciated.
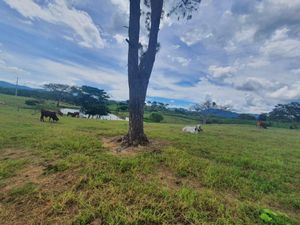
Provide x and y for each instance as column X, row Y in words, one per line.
column 93, row 101
column 58, row 90
column 286, row 112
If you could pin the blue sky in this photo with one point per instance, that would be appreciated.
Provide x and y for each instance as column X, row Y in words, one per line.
column 242, row 53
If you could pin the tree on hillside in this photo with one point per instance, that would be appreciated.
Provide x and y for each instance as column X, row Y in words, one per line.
column 156, row 117
column 156, row 106
column 93, row 101
column 262, row 117
column 122, row 106
column 245, row 116
column 206, row 108
column 286, row 112
column 141, row 58
column 58, row 91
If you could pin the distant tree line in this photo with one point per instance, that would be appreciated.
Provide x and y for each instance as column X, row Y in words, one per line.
column 92, row 101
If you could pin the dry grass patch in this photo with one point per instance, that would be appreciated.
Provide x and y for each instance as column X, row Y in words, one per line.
column 113, row 144
column 28, row 196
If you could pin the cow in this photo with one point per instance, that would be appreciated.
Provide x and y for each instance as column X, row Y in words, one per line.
column 51, row 115
column 74, row 114
column 261, row 124
column 194, row 130
column 60, row 113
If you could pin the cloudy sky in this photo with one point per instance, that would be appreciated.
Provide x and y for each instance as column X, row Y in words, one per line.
column 243, row 53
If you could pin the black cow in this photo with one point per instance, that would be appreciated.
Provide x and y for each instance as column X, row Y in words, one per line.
column 74, row 114
column 51, row 115
column 60, row 113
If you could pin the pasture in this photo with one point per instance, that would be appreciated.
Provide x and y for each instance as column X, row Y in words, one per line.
column 63, row 173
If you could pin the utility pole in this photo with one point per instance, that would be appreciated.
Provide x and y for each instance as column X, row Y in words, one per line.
column 17, row 83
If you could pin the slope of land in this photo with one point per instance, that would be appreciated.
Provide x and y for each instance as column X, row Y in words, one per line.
column 62, row 173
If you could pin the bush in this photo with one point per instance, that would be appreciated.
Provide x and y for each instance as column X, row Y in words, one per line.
column 156, row 117
column 32, row 102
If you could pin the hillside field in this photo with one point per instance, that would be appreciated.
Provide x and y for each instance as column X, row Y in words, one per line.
column 67, row 173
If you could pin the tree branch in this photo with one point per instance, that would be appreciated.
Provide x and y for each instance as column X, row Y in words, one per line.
column 147, row 61
column 134, row 35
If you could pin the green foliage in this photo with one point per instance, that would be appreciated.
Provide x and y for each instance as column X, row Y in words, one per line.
column 272, row 218
column 26, row 189
column 156, row 106
column 286, row 112
column 32, row 102
column 8, row 167
column 247, row 117
column 263, row 117
column 156, row 117
column 93, row 101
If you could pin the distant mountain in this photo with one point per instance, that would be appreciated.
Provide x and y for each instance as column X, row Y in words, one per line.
column 4, row 84
column 222, row 113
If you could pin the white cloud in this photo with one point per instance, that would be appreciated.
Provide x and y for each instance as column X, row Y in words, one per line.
column 246, row 34
column 181, row 60
column 256, row 84
column 195, row 35
column 296, row 71
column 122, row 5
column 9, row 68
column 221, row 72
column 281, row 45
column 287, row 92
column 72, row 73
column 57, row 12
column 119, row 38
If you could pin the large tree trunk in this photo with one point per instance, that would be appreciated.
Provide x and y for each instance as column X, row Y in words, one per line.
column 137, row 95
column 139, row 71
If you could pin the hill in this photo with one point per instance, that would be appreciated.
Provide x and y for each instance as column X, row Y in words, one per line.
column 221, row 113
column 4, row 84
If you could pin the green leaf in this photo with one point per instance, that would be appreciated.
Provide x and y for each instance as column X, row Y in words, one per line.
column 265, row 217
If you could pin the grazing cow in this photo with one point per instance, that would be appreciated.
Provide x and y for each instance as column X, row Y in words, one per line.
column 51, row 115
column 74, row 114
column 60, row 113
column 194, row 130
column 261, row 124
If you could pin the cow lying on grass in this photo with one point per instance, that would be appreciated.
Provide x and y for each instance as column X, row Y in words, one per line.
column 194, row 130
column 51, row 115
column 261, row 124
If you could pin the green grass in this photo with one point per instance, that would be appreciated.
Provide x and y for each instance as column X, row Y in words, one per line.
column 229, row 174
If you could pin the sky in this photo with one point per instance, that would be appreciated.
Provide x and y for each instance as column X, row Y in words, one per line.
column 240, row 53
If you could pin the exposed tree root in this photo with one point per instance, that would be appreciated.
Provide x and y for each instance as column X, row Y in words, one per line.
column 126, row 141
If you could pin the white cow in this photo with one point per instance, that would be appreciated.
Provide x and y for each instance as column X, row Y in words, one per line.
column 194, row 130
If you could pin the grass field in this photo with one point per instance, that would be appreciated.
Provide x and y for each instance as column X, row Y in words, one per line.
column 62, row 173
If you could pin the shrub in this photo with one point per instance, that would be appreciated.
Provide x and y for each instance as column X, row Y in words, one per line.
column 156, row 117
column 32, row 102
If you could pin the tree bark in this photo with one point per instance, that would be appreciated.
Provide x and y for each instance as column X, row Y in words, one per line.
column 139, row 71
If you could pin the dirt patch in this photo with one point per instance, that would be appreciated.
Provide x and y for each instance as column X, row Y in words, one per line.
column 114, row 146
column 26, row 175
column 35, row 206
column 170, row 179
column 12, row 153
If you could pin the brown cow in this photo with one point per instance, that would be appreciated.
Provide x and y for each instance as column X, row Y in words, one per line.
column 51, row 115
column 261, row 124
